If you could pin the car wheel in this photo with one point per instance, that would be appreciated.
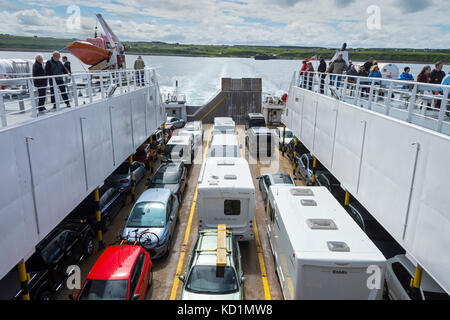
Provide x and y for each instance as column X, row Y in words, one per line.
column 169, row 245
column 89, row 246
column 45, row 295
column 150, row 279
column 106, row 224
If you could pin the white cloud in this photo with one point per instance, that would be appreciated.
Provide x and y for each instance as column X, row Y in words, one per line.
column 326, row 23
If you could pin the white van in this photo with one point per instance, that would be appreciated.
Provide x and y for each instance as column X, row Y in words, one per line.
column 224, row 145
column 226, row 195
column 319, row 251
column 180, row 148
column 224, row 125
column 196, row 129
column 260, row 142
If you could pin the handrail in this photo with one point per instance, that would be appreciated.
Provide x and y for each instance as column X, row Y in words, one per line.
column 20, row 95
column 423, row 104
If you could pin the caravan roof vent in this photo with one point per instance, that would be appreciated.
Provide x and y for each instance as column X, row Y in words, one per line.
column 338, row 246
column 308, row 203
column 230, row 177
column 302, row 192
column 322, row 224
column 226, row 162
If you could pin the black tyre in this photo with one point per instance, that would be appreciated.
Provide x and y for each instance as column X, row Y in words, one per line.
column 106, row 224
column 150, row 280
column 89, row 246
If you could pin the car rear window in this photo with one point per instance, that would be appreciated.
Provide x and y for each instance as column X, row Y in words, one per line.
column 207, row 280
column 123, row 169
column 104, row 290
column 140, row 153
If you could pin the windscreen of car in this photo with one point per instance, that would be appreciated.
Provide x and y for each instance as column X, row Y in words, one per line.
column 123, row 169
column 257, row 123
column 104, row 290
column 147, row 215
column 166, row 176
column 206, row 279
column 140, row 153
column 282, row 179
column 225, row 151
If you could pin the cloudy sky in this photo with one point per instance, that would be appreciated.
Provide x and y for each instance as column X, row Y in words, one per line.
column 327, row 23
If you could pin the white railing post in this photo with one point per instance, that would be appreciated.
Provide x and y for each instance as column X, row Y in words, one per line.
column 372, row 88
column 2, row 111
column 90, row 88
column 127, row 73
column 327, row 83
column 389, row 98
column 75, row 91
column 120, row 81
column 32, row 98
column 344, row 89
column 102, row 87
column 56, row 94
column 135, row 79
column 412, row 103
column 357, row 93
column 442, row 110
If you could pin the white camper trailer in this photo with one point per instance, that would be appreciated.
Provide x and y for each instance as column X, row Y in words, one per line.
column 319, row 251
column 224, row 125
column 260, row 142
column 225, row 146
column 180, row 148
column 226, row 195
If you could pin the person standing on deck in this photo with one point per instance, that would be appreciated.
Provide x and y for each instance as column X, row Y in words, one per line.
column 436, row 77
column 424, row 75
column 351, row 80
column 446, row 82
column 406, row 76
column 375, row 72
column 40, row 84
column 339, row 66
column 67, row 66
column 310, row 70
column 368, row 64
column 322, row 69
column 54, row 67
column 139, row 65
column 303, row 72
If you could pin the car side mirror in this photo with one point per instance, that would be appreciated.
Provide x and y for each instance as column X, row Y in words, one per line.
column 136, row 296
column 71, row 297
column 181, row 278
column 243, row 279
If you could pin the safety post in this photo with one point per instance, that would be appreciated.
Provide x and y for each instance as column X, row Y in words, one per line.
column 295, row 155
column 99, row 218
column 23, row 277
column 415, row 284
column 283, row 148
column 133, row 197
column 151, row 152
column 313, row 177
column 347, row 198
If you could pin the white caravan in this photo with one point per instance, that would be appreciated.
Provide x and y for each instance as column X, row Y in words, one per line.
column 196, row 129
column 225, row 146
column 224, row 125
column 226, row 195
column 180, row 148
column 260, row 142
column 319, row 250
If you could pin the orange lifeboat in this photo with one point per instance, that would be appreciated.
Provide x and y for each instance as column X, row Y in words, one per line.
column 88, row 53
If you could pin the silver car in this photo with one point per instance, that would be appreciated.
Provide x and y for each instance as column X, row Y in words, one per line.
column 203, row 280
column 152, row 221
column 121, row 178
column 399, row 272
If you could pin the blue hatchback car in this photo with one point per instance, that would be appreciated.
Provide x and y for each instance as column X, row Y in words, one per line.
column 152, row 221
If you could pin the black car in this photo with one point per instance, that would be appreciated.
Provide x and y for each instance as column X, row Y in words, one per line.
column 375, row 231
column 172, row 176
column 71, row 242
column 326, row 179
column 112, row 200
column 254, row 120
column 290, row 148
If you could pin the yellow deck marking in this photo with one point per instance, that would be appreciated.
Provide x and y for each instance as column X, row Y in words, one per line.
column 176, row 281
column 212, row 109
column 259, row 251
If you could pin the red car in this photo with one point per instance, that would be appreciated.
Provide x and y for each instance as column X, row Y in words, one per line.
column 145, row 154
column 123, row 272
column 169, row 131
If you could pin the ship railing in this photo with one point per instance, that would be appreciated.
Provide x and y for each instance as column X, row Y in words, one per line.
column 423, row 104
column 21, row 97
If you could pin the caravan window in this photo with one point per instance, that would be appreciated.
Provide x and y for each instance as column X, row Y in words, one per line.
column 232, row 207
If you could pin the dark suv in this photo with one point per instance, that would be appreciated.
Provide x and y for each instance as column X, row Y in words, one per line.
column 112, row 200
column 71, row 242
column 254, row 120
